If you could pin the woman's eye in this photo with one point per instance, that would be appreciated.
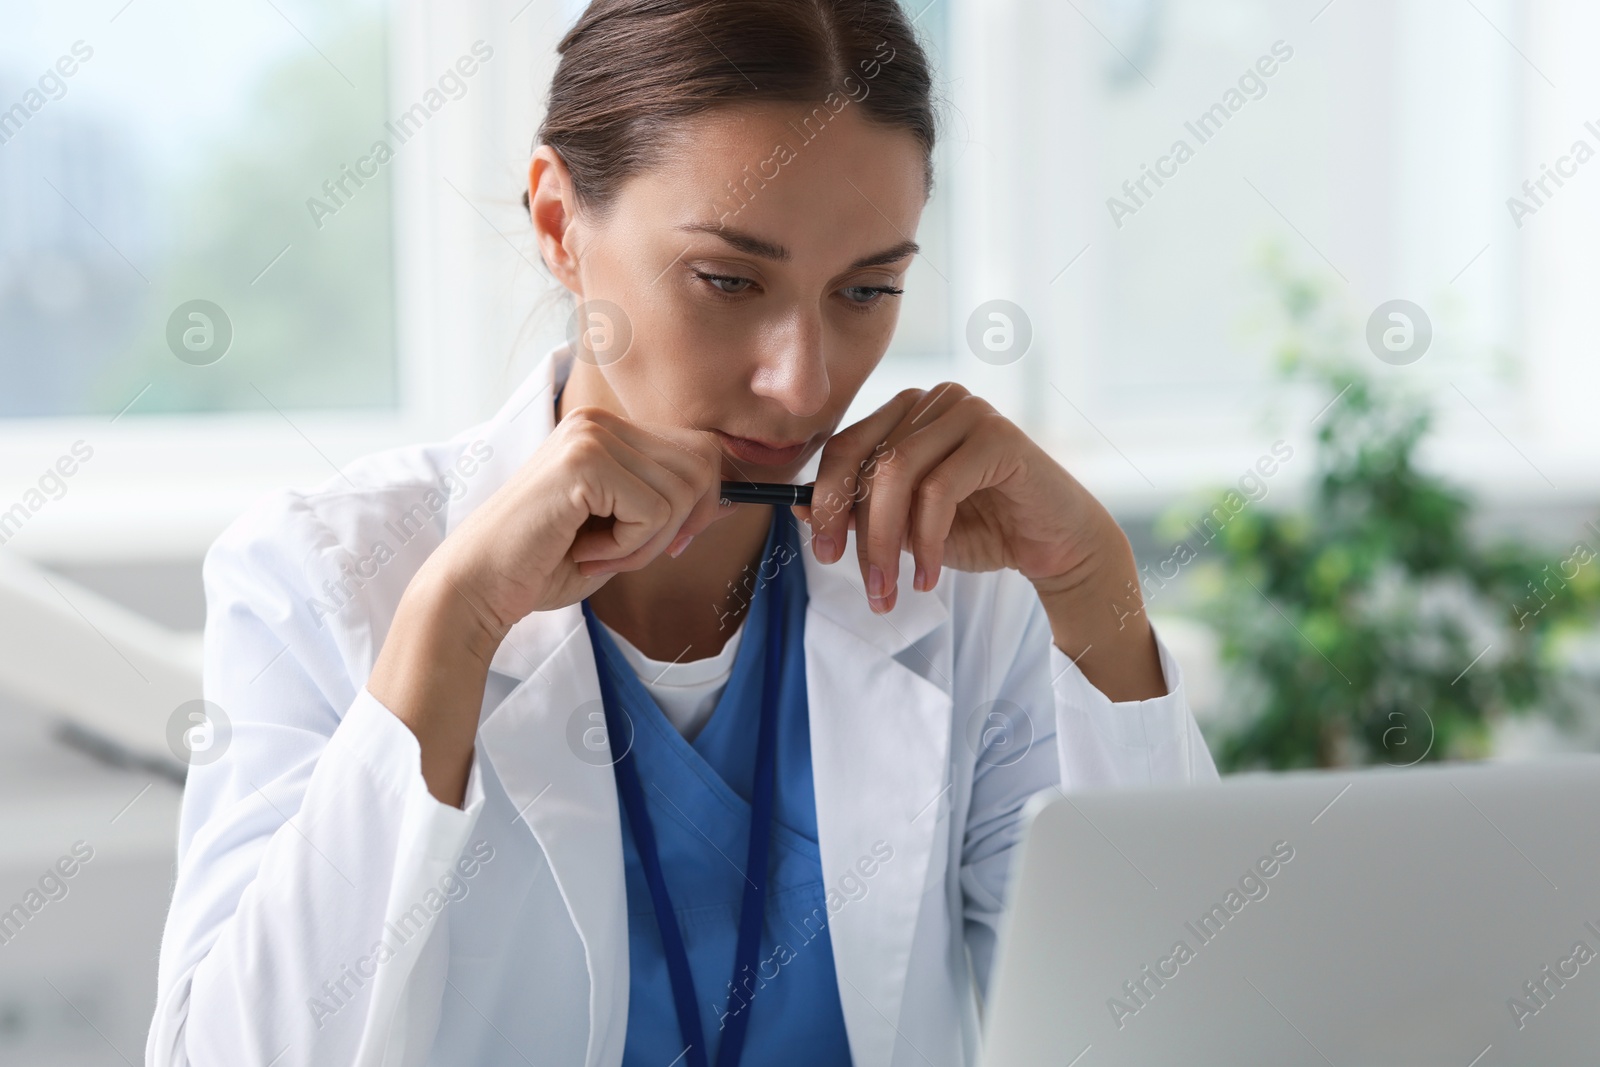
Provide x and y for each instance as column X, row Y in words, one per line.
column 869, row 294
column 725, row 283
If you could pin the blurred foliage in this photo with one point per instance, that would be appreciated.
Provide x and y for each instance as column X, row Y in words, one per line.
column 1348, row 623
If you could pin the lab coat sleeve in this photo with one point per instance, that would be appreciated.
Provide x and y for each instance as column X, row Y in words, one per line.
column 313, row 864
column 1104, row 743
column 1063, row 735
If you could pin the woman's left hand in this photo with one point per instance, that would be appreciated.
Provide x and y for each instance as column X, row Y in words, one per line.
column 942, row 473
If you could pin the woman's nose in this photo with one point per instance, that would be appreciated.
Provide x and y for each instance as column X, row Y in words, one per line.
column 793, row 367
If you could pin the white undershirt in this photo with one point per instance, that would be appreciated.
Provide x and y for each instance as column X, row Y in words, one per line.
column 687, row 690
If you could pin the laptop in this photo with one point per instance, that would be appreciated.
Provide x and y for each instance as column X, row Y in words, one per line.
column 1443, row 915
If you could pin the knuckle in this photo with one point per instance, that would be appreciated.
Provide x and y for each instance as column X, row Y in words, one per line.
column 680, row 487
column 977, row 404
column 579, row 424
column 588, row 415
column 828, row 505
column 893, row 465
column 835, row 448
column 837, row 476
column 994, row 422
column 880, row 451
column 587, row 447
column 685, row 492
column 933, row 491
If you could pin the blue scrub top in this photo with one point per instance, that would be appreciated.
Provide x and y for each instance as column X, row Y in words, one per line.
column 698, row 798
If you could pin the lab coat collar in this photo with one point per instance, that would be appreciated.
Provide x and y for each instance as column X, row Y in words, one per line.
column 880, row 732
column 512, row 434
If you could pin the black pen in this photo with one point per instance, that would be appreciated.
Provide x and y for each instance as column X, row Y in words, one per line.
column 776, row 494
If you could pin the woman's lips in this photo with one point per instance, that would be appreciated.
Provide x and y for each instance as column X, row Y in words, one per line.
column 759, row 453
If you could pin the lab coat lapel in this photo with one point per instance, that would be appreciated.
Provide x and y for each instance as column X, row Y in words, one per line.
column 551, row 758
column 548, row 745
column 880, row 737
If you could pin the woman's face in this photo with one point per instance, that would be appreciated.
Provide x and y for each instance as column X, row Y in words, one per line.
column 754, row 269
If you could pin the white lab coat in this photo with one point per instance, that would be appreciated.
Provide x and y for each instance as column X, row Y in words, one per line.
column 313, row 840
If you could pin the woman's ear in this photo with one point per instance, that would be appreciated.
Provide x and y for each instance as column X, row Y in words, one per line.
column 552, row 208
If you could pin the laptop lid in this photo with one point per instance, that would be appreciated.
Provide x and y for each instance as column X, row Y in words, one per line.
column 1443, row 915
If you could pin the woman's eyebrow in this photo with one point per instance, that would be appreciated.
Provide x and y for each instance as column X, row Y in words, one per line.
column 747, row 243
column 888, row 255
column 757, row 246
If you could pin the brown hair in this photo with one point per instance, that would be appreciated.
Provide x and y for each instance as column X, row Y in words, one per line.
column 630, row 68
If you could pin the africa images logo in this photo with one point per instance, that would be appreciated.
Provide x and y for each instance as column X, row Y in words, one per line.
column 451, row 85
column 1252, row 887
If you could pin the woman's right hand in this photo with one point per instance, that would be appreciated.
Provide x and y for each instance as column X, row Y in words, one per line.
column 600, row 495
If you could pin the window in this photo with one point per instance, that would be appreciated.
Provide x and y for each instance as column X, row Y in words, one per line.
column 230, row 155
column 194, row 152
column 1378, row 154
column 212, row 153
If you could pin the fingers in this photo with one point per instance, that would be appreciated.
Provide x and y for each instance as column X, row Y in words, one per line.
column 843, row 471
column 933, row 513
column 639, row 510
column 695, row 457
column 657, row 488
column 888, row 516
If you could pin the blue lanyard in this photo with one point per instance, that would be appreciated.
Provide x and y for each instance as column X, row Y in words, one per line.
column 752, row 911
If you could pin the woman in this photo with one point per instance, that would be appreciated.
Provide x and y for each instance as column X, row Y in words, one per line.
column 542, row 754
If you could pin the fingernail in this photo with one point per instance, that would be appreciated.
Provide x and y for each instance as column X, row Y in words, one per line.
column 676, row 548
column 824, row 547
column 920, row 580
column 875, row 583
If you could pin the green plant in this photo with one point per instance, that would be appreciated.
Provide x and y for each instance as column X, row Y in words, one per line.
column 1367, row 625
